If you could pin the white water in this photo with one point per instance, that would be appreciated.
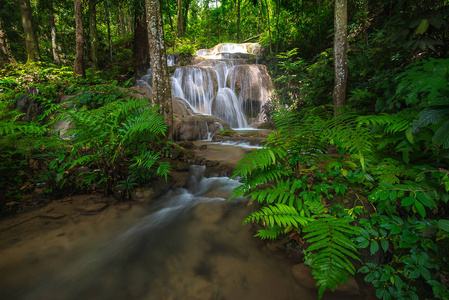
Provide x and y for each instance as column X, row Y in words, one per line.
column 210, row 86
column 191, row 246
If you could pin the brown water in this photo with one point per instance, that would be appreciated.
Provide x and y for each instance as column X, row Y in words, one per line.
column 190, row 245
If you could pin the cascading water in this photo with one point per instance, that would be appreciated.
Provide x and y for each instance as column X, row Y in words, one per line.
column 226, row 84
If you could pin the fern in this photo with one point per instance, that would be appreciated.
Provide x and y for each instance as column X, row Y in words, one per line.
column 278, row 214
column 270, row 233
column 330, row 251
column 283, row 192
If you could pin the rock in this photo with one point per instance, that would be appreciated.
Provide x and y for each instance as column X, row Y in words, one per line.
column 253, row 86
column 91, row 208
column 53, row 215
column 189, row 126
column 302, row 274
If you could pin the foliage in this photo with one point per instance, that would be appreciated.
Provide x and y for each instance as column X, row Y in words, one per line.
column 299, row 184
column 103, row 138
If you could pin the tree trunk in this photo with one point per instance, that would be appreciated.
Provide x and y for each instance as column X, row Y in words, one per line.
column 29, row 30
column 141, row 44
column 109, row 29
column 180, row 22
column 78, row 67
column 340, row 54
column 269, row 23
column 54, row 44
column 238, row 21
column 278, row 12
column 185, row 15
column 93, row 33
column 161, row 78
column 122, row 21
column 5, row 56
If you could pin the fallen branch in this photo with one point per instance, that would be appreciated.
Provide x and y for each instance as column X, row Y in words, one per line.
column 252, row 38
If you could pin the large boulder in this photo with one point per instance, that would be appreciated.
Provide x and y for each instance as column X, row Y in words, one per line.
column 189, row 126
column 253, row 86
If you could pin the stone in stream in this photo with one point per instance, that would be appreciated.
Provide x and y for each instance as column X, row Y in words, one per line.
column 303, row 275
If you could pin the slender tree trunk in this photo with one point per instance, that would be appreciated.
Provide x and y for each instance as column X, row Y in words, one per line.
column 78, row 67
column 54, row 44
column 269, row 24
column 180, row 22
column 278, row 12
column 5, row 56
column 170, row 17
column 161, row 79
column 238, row 21
column 340, row 54
column 122, row 21
column 141, row 44
column 185, row 15
column 109, row 29
column 29, row 30
column 93, row 34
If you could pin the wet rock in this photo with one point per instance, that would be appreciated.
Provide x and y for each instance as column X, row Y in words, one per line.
column 253, row 86
column 91, row 208
column 188, row 126
column 303, row 275
column 53, row 215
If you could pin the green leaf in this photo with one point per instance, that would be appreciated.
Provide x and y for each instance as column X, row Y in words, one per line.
column 409, row 136
column 408, row 201
column 384, row 244
column 420, row 208
column 422, row 28
column 374, row 247
column 444, row 225
column 442, row 135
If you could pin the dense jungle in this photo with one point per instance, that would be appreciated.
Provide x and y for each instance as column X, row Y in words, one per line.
column 342, row 107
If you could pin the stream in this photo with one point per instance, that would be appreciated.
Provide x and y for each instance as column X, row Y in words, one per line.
column 190, row 245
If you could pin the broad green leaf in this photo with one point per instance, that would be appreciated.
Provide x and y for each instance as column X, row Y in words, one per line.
column 384, row 244
column 420, row 208
column 374, row 247
column 408, row 201
column 444, row 225
column 422, row 28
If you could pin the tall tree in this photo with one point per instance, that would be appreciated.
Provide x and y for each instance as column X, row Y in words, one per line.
column 180, row 21
column 238, row 21
column 340, row 53
column 29, row 31
column 158, row 58
column 78, row 67
column 93, row 34
column 141, row 44
column 5, row 56
column 108, row 17
column 54, row 44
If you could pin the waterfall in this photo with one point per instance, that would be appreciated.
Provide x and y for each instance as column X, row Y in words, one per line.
column 227, row 84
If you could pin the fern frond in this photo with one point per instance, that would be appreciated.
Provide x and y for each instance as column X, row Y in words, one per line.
column 270, row 233
column 259, row 177
column 283, row 192
column 330, row 251
column 258, row 159
column 280, row 215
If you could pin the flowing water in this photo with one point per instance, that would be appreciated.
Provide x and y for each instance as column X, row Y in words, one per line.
column 190, row 245
column 226, row 84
